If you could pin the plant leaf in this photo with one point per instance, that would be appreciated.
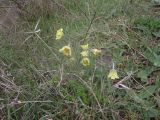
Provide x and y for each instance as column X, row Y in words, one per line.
column 152, row 57
column 147, row 92
column 144, row 73
column 157, row 61
column 151, row 112
column 156, row 34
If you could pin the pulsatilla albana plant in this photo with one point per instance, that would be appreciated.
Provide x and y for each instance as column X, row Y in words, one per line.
column 85, row 54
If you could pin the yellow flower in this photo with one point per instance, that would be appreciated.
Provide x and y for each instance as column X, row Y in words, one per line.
column 113, row 74
column 84, row 53
column 59, row 34
column 96, row 51
column 66, row 50
column 84, row 47
column 85, row 61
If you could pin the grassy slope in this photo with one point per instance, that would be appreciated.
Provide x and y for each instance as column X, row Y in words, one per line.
column 33, row 68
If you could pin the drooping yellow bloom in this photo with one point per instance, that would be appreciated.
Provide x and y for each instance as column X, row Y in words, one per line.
column 85, row 61
column 113, row 74
column 84, row 47
column 59, row 34
column 96, row 51
column 84, row 53
column 66, row 50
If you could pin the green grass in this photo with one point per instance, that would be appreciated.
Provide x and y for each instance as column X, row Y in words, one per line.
column 37, row 82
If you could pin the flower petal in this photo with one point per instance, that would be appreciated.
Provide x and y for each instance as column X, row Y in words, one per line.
column 85, row 47
column 84, row 53
column 85, row 61
column 96, row 51
column 59, row 34
column 66, row 50
column 113, row 74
